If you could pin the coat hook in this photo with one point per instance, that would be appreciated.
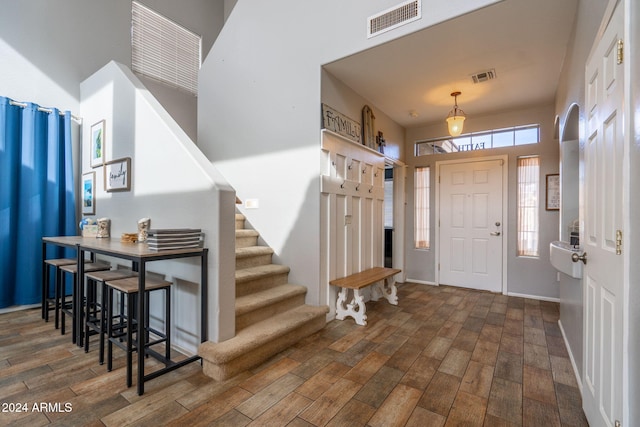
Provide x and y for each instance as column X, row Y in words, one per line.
column 350, row 165
column 358, row 187
column 364, row 170
column 342, row 185
column 371, row 189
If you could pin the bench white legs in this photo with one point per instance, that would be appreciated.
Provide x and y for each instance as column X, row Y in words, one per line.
column 356, row 308
column 387, row 289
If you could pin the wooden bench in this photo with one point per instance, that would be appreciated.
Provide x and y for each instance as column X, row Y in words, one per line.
column 384, row 285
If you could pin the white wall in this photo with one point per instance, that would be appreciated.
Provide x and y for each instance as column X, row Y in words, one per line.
column 48, row 48
column 259, row 110
column 526, row 276
column 203, row 17
column 173, row 184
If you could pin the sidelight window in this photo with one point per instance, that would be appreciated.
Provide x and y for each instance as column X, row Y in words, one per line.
column 422, row 211
column 528, row 206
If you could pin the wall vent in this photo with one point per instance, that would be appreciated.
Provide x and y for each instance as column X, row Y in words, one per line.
column 483, row 76
column 394, row 17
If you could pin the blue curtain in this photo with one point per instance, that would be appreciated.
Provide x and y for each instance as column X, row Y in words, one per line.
column 37, row 196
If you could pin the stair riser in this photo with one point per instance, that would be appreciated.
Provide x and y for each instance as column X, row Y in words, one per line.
column 239, row 224
column 246, row 241
column 269, row 311
column 260, row 283
column 253, row 261
column 220, row 372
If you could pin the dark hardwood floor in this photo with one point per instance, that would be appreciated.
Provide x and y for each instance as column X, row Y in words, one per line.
column 443, row 357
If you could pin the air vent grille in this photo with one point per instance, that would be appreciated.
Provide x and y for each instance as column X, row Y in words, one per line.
column 484, row 76
column 393, row 18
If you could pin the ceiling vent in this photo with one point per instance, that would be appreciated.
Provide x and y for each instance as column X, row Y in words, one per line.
column 394, row 17
column 484, row 76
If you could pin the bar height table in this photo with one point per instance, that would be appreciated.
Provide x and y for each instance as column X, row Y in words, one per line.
column 139, row 254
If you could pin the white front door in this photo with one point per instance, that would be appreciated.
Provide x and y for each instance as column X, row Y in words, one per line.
column 603, row 223
column 471, row 224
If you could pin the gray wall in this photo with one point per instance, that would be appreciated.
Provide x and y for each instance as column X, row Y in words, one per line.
column 526, row 276
column 343, row 99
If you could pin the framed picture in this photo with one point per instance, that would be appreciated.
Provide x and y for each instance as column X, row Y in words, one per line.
column 88, row 193
column 117, row 175
column 553, row 192
column 97, row 144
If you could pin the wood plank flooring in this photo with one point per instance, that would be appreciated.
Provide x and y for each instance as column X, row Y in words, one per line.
column 443, row 357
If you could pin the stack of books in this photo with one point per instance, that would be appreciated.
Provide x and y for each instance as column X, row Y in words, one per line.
column 174, row 238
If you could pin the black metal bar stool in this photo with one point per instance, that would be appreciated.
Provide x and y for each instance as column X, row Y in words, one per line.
column 73, row 308
column 51, row 303
column 95, row 310
column 128, row 325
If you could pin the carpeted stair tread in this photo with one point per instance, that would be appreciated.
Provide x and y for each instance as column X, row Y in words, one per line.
column 261, row 271
column 243, row 232
column 257, row 300
column 240, row 219
column 256, row 335
column 250, row 251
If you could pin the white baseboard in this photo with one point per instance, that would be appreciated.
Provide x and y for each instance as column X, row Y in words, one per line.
column 573, row 361
column 420, row 282
column 17, row 308
column 513, row 294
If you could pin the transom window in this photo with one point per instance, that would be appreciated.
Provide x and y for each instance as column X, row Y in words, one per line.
column 496, row 138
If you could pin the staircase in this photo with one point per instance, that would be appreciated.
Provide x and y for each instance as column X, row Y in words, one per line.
column 270, row 312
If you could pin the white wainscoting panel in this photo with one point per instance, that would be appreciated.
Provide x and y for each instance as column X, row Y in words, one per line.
column 352, row 203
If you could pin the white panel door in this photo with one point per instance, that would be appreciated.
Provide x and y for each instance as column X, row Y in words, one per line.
column 470, row 214
column 603, row 220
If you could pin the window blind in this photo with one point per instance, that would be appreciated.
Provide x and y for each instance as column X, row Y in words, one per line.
column 163, row 50
column 422, row 211
column 528, row 205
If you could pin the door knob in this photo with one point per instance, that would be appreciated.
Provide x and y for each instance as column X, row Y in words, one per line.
column 575, row 257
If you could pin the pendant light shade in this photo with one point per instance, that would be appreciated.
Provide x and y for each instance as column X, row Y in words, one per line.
column 455, row 119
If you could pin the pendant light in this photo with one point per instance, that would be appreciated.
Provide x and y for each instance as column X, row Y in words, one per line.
column 455, row 119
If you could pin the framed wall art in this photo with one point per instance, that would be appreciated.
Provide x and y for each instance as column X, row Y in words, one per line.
column 88, row 193
column 553, row 192
column 97, row 144
column 117, row 175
